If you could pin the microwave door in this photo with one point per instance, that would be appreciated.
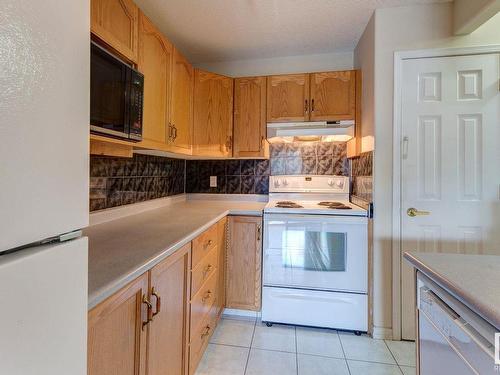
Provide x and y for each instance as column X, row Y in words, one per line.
column 108, row 80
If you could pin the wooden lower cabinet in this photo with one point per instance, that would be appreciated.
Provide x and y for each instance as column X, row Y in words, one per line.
column 222, row 227
column 243, row 267
column 116, row 338
column 169, row 295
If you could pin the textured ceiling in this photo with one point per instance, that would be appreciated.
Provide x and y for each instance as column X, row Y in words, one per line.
column 223, row 30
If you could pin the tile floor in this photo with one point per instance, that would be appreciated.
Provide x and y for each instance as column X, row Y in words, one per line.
column 242, row 346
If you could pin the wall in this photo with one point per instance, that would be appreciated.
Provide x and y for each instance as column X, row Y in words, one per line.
column 402, row 28
column 364, row 59
column 282, row 65
column 118, row 181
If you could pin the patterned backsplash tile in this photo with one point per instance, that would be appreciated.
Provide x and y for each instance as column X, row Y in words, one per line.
column 361, row 176
column 118, row 181
column 323, row 158
column 233, row 176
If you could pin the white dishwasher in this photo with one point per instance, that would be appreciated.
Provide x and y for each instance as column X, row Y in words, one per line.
column 452, row 338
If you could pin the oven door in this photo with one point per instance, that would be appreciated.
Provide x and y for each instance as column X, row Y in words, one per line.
column 316, row 252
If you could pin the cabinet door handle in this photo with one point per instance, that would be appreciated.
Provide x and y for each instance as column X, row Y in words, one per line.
column 207, row 270
column 206, row 296
column 312, row 105
column 149, row 318
column 259, row 231
column 158, row 301
column 174, row 132
column 306, row 107
column 169, row 132
column 205, row 332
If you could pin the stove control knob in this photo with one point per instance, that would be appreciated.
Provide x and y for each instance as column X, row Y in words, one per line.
column 277, row 182
column 285, row 182
column 330, row 182
column 339, row 184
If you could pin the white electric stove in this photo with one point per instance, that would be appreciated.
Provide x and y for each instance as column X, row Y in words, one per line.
column 315, row 267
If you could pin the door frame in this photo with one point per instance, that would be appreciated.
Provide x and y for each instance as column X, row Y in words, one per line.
column 399, row 58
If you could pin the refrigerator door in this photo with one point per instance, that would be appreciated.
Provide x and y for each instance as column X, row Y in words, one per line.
column 44, row 112
column 43, row 319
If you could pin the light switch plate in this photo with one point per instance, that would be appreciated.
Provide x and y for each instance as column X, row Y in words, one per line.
column 213, row 181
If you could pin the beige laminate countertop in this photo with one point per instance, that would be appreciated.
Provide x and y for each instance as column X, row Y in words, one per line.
column 123, row 249
column 472, row 279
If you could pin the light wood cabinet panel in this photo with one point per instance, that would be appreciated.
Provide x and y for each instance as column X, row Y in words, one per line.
column 203, row 244
column 116, row 23
column 204, row 269
column 168, row 334
column 116, row 339
column 244, row 255
column 221, row 244
column 249, row 117
column 333, row 96
column 155, row 62
column 181, row 110
column 213, row 114
column 288, row 98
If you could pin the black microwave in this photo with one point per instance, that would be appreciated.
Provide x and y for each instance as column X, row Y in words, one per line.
column 116, row 96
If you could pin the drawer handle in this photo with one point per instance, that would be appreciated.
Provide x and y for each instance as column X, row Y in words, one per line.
column 207, row 270
column 150, row 307
column 158, row 301
column 205, row 332
column 206, row 296
column 209, row 243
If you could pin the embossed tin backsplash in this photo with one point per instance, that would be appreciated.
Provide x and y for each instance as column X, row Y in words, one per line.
column 118, row 181
column 361, row 176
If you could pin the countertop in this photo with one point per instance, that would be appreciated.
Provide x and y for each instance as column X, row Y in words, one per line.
column 123, row 249
column 472, row 279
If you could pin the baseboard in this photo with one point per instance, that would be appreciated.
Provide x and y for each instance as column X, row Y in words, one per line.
column 381, row 333
column 237, row 313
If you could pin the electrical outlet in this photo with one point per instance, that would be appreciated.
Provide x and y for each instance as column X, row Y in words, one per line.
column 213, row 181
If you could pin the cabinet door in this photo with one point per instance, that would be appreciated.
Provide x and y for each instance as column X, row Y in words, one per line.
column 221, row 243
column 169, row 280
column 288, row 98
column 116, row 23
column 249, row 116
column 155, row 62
column 213, row 114
column 181, row 110
column 116, row 338
column 333, row 96
column 243, row 268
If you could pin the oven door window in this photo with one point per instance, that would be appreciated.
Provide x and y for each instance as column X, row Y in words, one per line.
column 108, row 79
column 314, row 250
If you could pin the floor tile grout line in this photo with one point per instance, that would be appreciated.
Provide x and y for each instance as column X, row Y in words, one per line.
column 343, row 352
column 392, row 354
column 250, row 348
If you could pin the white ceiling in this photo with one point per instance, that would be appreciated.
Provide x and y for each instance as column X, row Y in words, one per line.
column 225, row 30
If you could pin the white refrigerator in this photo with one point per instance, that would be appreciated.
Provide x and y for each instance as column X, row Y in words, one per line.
column 44, row 124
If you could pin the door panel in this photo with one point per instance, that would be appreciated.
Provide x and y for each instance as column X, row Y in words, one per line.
column 155, row 62
column 168, row 333
column 288, row 98
column 249, row 116
column 333, row 96
column 213, row 114
column 182, row 104
column 450, row 112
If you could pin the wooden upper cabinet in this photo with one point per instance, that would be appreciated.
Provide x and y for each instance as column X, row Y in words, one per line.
column 288, row 98
column 249, row 116
column 243, row 268
column 116, row 339
column 213, row 114
column 333, row 96
column 168, row 335
column 181, row 109
column 116, row 23
column 155, row 62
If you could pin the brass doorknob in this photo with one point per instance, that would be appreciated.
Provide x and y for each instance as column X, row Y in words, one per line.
column 412, row 212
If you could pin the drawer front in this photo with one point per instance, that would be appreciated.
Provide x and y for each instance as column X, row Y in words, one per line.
column 202, row 302
column 203, row 270
column 200, row 337
column 203, row 244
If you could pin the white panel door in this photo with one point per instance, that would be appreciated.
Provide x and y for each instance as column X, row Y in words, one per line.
column 44, row 119
column 450, row 161
column 43, row 314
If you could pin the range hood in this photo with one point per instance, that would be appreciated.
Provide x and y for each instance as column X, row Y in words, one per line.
column 330, row 131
